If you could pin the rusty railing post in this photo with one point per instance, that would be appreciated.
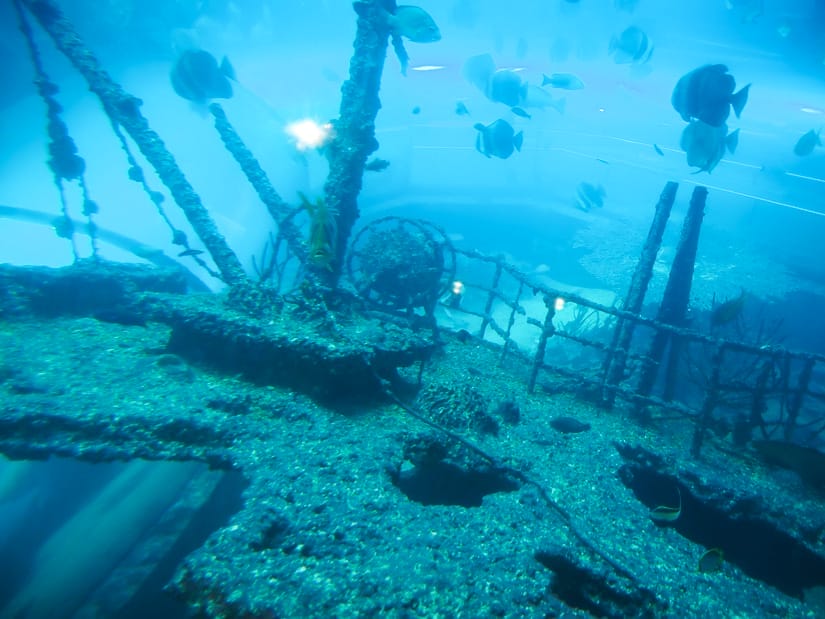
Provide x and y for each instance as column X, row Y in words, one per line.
column 616, row 360
column 673, row 309
column 546, row 333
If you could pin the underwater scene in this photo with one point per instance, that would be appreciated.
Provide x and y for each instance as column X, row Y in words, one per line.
column 462, row 308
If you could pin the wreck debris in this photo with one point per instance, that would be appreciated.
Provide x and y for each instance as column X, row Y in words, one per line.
column 623, row 334
column 279, row 210
column 355, row 128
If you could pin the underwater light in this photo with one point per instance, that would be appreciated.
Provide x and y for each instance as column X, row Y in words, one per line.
column 309, row 134
column 456, row 294
column 559, row 304
column 429, row 67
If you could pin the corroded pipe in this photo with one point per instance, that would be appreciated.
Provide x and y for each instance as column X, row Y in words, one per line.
column 355, row 127
column 124, row 109
column 617, row 361
column 673, row 309
column 278, row 209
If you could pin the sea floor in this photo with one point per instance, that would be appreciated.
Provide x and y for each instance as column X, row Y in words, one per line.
column 354, row 507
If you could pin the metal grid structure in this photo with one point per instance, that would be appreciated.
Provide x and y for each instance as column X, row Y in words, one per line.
column 763, row 388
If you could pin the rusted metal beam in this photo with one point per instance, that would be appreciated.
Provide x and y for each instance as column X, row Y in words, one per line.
column 677, row 291
column 354, row 129
column 617, row 360
column 546, row 333
column 277, row 208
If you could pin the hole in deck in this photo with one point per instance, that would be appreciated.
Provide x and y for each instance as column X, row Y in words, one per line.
column 442, row 483
column 754, row 545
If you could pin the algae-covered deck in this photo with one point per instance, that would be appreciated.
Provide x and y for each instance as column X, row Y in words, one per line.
column 421, row 430
column 360, row 508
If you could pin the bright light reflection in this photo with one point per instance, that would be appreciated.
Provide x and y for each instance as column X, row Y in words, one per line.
column 559, row 304
column 309, row 134
column 429, row 67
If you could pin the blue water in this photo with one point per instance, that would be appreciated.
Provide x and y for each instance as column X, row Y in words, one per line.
column 764, row 223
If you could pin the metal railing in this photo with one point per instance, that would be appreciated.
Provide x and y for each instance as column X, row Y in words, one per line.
column 758, row 386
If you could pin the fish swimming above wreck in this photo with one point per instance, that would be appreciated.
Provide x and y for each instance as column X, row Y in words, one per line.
column 705, row 144
column 420, row 351
column 411, row 22
column 728, row 311
column 805, row 145
column 707, row 94
column 196, row 76
column 506, row 86
column 589, row 196
column 498, row 139
column 631, row 46
column 376, row 165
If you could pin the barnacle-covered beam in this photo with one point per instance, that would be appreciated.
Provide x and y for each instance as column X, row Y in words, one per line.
column 615, row 364
column 278, row 209
column 355, row 127
column 673, row 309
column 124, row 109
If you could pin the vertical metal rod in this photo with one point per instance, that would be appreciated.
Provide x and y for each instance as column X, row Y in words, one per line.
column 677, row 291
column 491, row 297
column 354, row 128
column 278, row 209
column 711, row 399
column 615, row 362
column 798, row 396
column 758, row 405
column 546, row 333
column 511, row 321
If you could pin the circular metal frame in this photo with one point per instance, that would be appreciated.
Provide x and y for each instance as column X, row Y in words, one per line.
column 399, row 263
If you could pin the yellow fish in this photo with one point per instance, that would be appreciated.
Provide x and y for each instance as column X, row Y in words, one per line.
column 663, row 513
column 323, row 231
